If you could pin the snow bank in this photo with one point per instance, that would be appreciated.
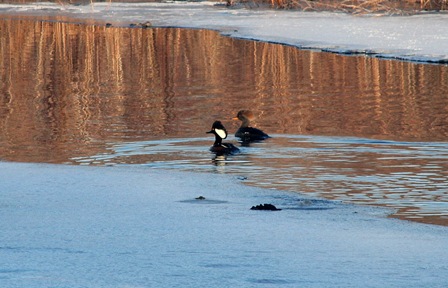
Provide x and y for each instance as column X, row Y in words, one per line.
column 76, row 226
column 416, row 38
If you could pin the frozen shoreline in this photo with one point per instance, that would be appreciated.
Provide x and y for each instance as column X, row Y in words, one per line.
column 421, row 38
column 129, row 226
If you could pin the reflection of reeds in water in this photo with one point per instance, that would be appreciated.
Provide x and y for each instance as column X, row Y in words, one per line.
column 70, row 85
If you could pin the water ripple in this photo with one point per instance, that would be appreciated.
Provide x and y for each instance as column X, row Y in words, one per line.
column 408, row 176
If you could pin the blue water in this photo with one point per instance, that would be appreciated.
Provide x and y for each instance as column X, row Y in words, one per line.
column 409, row 176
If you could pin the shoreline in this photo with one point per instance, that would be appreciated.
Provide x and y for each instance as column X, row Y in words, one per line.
column 381, row 37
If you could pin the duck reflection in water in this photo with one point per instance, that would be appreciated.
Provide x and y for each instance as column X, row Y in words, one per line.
column 246, row 133
column 219, row 148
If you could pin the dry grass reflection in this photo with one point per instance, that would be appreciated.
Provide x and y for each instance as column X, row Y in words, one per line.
column 70, row 90
column 77, row 85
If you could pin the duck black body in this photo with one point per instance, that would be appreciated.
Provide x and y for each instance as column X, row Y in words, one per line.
column 245, row 132
column 218, row 147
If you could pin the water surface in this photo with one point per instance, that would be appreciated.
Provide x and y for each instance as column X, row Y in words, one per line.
column 357, row 129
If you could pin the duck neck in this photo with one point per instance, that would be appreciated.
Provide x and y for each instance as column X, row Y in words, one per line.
column 245, row 123
column 218, row 141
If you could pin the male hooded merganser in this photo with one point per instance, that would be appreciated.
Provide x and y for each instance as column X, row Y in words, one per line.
column 221, row 133
column 245, row 132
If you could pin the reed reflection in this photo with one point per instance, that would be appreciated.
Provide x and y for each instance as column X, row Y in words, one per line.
column 86, row 83
column 69, row 90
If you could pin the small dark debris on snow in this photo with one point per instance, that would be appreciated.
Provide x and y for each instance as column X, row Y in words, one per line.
column 267, row 207
column 146, row 24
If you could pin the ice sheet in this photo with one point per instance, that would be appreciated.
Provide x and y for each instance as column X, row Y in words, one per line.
column 77, row 226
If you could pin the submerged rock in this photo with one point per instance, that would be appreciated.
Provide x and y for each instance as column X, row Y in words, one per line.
column 268, row 207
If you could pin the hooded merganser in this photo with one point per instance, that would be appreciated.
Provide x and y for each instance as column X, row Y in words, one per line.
column 245, row 132
column 221, row 133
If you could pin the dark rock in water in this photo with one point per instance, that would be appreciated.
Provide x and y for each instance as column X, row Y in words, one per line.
column 200, row 198
column 267, row 207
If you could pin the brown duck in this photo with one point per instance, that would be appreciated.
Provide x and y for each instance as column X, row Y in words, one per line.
column 247, row 133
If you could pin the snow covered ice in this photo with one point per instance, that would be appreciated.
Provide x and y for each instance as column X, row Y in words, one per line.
column 78, row 226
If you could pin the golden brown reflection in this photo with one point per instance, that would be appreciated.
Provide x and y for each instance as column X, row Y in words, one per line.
column 67, row 90
column 68, row 82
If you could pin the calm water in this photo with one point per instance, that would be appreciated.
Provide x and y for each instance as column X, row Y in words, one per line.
column 355, row 129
